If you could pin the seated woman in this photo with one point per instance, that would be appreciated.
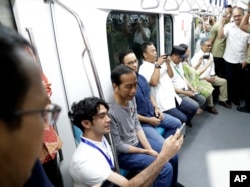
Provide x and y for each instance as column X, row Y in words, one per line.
column 193, row 76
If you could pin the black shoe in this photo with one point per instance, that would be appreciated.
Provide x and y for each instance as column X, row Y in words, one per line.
column 178, row 185
column 236, row 102
column 243, row 109
column 189, row 124
column 212, row 110
column 225, row 104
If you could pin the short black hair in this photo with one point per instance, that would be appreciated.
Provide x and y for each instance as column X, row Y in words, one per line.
column 85, row 110
column 123, row 54
column 118, row 71
column 15, row 81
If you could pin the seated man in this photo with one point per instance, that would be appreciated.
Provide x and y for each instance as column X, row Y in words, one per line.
column 93, row 163
column 135, row 151
column 149, row 113
column 203, row 58
column 158, row 72
column 182, row 87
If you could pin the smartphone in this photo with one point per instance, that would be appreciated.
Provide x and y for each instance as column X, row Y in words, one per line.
column 183, row 129
column 206, row 56
column 166, row 56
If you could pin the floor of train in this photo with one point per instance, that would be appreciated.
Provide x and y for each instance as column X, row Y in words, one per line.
column 229, row 129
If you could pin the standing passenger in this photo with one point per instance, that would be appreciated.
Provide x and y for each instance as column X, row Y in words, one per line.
column 235, row 54
column 92, row 162
column 219, row 44
column 244, row 25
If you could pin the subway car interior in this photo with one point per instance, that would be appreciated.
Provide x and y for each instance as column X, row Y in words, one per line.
column 78, row 44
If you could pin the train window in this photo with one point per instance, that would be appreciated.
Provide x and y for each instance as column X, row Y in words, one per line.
column 128, row 31
column 168, row 33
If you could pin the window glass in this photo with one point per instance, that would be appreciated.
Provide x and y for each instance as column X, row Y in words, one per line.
column 168, row 33
column 128, row 30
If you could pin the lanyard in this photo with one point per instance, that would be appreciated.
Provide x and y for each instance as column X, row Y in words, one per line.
column 96, row 147
column 177, row 70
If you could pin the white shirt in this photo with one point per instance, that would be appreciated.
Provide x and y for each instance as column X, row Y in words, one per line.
column 88, row 166
column 210, row 70
column 164, row 92
column 178, row 79
column 236, row 44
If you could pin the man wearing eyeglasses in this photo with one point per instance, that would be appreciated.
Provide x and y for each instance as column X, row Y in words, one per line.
column 24, row 110
column 203, row 61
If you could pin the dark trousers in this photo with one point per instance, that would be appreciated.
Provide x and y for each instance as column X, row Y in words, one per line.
column 52, row 170
column 235, row 78
column 247, row 86
column 219, row 65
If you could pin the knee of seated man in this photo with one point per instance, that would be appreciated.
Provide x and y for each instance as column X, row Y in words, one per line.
column 166, row 171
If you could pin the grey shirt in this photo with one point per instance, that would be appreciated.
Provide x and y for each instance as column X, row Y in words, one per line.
column 124, row 125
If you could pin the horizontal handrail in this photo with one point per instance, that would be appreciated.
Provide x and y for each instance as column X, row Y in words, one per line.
column 150, row 7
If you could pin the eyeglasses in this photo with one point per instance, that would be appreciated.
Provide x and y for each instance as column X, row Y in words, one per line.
column 49, row 114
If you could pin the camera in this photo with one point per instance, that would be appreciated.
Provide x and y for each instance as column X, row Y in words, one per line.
column 206, row 55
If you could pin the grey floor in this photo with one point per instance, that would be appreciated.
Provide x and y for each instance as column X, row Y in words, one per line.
column 229, row 129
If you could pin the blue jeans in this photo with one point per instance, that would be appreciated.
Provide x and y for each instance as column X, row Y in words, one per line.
column 185, row 111
column 169, row 123
column 137, row 162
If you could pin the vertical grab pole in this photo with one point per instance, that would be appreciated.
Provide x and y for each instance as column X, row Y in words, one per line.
column 37, row 58
column 97, row 80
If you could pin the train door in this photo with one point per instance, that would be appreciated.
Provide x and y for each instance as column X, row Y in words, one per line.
column 122, row 29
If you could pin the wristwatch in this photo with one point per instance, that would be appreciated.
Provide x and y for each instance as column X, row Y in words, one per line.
column 157, row 66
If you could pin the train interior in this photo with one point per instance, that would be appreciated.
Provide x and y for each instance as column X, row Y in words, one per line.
column 78, row 44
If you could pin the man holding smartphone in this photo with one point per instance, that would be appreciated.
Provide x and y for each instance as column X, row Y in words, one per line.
column 199, row 63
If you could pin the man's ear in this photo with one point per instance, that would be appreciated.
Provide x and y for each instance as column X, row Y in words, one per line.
column 114, row 86
column 86, row 124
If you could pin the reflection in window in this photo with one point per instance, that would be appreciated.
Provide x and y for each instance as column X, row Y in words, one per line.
column 128, row 31
column 168, row 32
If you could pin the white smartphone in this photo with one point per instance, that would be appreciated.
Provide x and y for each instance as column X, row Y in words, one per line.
column 183, row 129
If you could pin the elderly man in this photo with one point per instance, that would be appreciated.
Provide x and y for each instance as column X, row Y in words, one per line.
column 204, row 58
column 235, row 54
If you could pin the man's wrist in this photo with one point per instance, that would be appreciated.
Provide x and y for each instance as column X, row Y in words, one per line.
column 157, row 66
